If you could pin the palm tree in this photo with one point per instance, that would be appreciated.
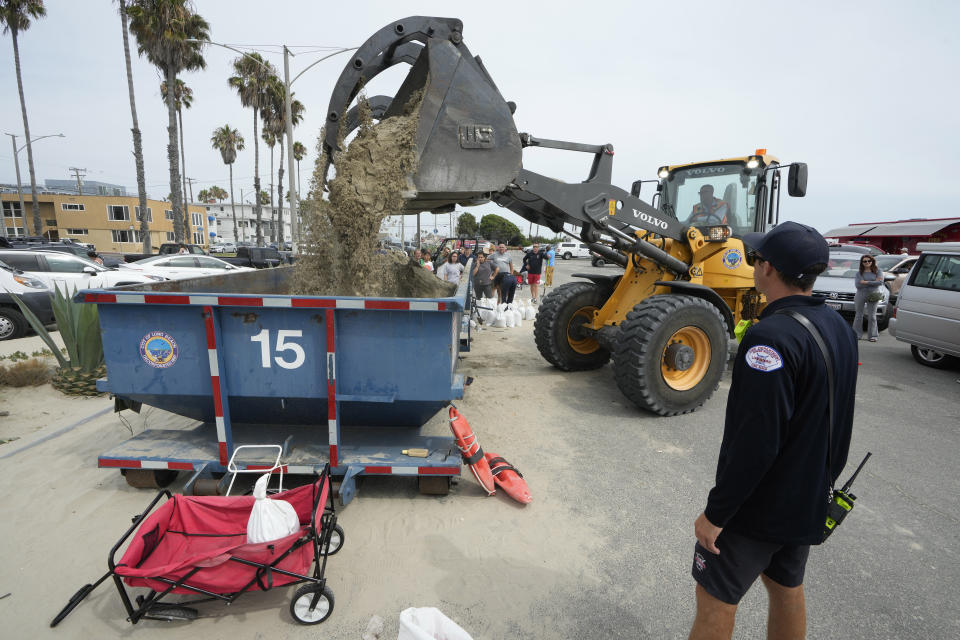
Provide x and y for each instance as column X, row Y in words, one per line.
column 270, row 140
column 299, row 153
column 137, row 139
column 275, row 121
column 15, row 16
column 204, row 195
column 167, row 33
column 228, row 141
column 182, row 99
column 217, row 193
column 251, row 82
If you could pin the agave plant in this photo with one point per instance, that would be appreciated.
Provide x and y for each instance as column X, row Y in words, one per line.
column 79, row 327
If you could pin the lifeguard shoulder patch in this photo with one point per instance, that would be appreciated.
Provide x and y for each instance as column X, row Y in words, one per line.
column 763, row 358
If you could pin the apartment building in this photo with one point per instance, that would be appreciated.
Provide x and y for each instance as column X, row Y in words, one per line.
column 111, row 223
column 222, row 222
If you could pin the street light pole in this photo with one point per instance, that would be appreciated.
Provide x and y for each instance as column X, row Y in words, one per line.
column 288, row 116
column 16, row 162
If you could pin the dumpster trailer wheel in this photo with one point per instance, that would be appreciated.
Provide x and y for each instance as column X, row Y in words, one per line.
column 434, row 485
column 556, row 329
column 206, row 487
column 671, row 353
column 336, row 540
column 149, row 478
column 311, row 604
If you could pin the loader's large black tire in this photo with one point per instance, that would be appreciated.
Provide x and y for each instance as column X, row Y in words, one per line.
column 555, row 329
column 647, row 368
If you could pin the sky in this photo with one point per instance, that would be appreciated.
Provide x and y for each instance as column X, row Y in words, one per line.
column 864, row 92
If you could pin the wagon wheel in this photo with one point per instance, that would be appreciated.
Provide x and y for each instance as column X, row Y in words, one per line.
column 336, row 541
column 434, row 485
column 311, row 604
column 149, row 478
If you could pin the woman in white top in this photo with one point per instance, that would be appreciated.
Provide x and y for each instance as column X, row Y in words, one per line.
column 451, row 269
column 427, row 264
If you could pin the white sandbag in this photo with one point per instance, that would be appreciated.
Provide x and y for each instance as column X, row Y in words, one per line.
column 429, row 623
column 517, row 318
column 510, row 318
column 500, row 320
column 270, row 519
column 530, row 313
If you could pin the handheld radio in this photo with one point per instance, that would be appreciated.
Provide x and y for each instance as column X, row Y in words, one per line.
column 841, row 502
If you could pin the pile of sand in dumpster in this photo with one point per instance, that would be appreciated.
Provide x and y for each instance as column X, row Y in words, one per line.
column 340, row 254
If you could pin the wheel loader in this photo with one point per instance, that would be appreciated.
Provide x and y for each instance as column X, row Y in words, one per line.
column 667, row 320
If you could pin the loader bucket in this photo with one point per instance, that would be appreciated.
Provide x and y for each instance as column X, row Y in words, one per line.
column 467, row 143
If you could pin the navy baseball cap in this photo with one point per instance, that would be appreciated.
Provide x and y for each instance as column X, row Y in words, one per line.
column 792, row 248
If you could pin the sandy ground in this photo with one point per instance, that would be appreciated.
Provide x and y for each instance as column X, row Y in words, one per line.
column 604, row 551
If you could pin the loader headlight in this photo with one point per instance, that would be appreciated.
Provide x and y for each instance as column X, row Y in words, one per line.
column 663, row 172
column 753, row 162
column 718, row 233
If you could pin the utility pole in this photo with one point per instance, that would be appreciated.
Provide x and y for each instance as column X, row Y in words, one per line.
column 3, row 223
column 288, row 116
column 190, row 181
column 77, row 172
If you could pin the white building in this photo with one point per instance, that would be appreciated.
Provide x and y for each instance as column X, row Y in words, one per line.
column 220, row 219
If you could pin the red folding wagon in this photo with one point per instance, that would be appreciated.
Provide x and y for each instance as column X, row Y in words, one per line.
column 198, row 545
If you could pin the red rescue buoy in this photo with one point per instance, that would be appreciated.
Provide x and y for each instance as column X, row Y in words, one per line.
column 471, row 451
column 506, row 476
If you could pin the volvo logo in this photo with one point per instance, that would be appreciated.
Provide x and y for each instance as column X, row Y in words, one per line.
column 646, row 217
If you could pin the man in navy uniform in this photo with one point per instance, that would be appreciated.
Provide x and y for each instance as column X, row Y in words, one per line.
column 769, row 503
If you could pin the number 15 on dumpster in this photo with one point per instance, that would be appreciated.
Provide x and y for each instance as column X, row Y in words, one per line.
column 282, row 345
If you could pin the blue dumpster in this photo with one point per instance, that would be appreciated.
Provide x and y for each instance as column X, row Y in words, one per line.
column 341, row 379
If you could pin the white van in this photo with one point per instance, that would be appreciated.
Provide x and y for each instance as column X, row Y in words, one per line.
column 927, row 315
column 567, row 250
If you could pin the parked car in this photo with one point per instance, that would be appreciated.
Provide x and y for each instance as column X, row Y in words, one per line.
column 838, row 286
column 257, row 257
column 899, row 266
column 32, row 291
column 167, row 249
column 567, row 250
column 223, row 247
column 927, row 316
column 181, row 267
column 68, row 272
column 857, row 248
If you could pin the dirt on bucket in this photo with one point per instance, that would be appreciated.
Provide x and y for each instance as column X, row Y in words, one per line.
column 340, row 255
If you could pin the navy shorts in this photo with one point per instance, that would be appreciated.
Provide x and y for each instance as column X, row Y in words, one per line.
column 728, row 576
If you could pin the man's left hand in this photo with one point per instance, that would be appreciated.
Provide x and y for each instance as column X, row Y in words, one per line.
column 706, row 533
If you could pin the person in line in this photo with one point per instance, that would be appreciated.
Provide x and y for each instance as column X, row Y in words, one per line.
column 183, row 249
column 465, row 255
column 504, row 275
column 869, row 294
column 709, row 211
column 548, row 270
column 440, row 259
column 425, row 261
column 418, row 256
column 94, row 256
column 774, row 473
column 483, row 274
column 533, row 265
column 451, row 269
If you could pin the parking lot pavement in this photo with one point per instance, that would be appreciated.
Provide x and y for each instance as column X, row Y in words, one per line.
column 604, row 550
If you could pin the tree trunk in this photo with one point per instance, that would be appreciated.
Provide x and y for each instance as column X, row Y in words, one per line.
column 257, row 212
column 37, row 223
column 273, row 211
column 137, row 140
column 233, row 208
column 176, row 200
column 183, row 167
column 280, row 197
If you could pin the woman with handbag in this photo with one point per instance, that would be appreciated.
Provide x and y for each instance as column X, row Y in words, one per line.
column 869, row 293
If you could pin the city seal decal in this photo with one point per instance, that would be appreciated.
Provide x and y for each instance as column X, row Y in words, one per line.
column 763, row 358
column 732, row 258
column 159, row 349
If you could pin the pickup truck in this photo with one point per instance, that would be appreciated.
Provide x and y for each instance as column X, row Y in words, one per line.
column 167, row 248
column 257, row 257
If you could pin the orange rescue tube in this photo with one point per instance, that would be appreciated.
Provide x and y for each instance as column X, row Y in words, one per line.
column 506, row 476
column 471, row 451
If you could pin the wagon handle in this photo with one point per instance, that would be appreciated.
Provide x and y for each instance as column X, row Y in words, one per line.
column 234, row 469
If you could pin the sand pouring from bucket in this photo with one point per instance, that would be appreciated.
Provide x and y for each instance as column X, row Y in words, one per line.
column 468, row 147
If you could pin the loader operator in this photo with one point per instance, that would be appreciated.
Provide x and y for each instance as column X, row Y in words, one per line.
column 709, row 211
column 769, row 502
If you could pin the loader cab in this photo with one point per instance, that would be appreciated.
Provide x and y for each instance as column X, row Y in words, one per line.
column 742, row 193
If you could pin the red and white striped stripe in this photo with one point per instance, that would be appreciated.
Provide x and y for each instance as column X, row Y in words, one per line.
column 333, row 426
column 216, row 384
column 281, row 302
column 295, row 469
column 119, row 463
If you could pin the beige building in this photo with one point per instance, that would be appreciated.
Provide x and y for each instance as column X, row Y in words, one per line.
column 111, row 223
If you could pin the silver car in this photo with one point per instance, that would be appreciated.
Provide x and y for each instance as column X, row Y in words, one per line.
column 838, row 286
column 928, row 309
